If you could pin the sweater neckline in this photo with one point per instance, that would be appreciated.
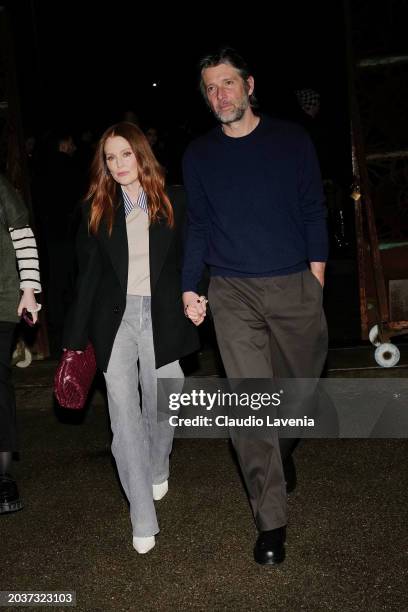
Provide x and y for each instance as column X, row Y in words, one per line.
column 235, row 140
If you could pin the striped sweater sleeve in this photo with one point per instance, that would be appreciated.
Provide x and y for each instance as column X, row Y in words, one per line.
column 27, row 257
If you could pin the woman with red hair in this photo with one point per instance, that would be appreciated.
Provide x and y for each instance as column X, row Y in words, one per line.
column 128, row 304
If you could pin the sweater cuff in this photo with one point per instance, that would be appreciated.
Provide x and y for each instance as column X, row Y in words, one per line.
column 31, row 284
column 318, row 251
column 188, row 287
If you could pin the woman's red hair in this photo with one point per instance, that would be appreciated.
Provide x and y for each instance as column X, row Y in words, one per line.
column 102, row 187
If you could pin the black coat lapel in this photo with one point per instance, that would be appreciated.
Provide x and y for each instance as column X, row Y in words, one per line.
column 117, row 246
column 160, row 237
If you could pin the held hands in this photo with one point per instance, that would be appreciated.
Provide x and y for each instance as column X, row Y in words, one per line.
column 195, row 306
column 29, row 302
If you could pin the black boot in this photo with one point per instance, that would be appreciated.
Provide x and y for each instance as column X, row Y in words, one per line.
column 9, row 498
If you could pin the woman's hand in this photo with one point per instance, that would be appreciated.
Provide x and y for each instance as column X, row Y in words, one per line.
column 195, row 306
column 29, row 302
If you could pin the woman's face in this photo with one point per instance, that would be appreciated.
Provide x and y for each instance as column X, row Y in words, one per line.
column 121, row 160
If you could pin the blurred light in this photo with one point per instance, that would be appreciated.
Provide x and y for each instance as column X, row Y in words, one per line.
column 154, row 84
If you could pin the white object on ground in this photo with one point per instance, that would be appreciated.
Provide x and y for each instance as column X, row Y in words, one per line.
column 160, row 490
column 143, row 545
column 387, row 355
column 373, row 336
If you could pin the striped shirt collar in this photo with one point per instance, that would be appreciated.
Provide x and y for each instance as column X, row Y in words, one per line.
column 141, row 201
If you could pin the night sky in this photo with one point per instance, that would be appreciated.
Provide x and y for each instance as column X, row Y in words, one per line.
column 81, row 65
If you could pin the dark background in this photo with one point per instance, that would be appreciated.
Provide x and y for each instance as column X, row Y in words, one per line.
column 82, row 65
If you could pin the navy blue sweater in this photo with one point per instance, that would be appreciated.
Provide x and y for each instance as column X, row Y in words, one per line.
column 255, row 203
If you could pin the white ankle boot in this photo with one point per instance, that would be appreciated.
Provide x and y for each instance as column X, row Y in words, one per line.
column 143, row 545
column 160, row 490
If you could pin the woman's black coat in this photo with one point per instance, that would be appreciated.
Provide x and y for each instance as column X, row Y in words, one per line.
column 100, row 296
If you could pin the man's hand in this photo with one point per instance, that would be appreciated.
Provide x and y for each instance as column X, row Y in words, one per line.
column 195, row 306
column 317, row 269
column 29, row 302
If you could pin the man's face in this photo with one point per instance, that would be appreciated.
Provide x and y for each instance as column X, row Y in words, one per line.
column 227, row 93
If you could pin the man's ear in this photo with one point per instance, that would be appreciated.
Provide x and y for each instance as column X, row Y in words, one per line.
column 251, row 85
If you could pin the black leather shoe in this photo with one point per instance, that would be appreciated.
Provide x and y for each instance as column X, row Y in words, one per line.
column 289, row 471
column 270, row 546
column 9, row 498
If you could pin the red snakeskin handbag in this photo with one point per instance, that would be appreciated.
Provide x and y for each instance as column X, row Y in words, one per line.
column 74, row 377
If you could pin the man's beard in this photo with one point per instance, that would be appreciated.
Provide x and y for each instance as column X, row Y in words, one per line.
column 236, row 114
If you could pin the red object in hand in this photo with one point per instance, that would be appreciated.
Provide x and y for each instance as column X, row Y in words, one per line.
column 74, row 377
column 27, row 317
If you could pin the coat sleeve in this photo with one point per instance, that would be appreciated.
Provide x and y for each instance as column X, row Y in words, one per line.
column 14, row 211
column 89, row 276
column 15, row 217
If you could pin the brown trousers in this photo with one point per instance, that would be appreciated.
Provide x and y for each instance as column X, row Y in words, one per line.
column 268, row 327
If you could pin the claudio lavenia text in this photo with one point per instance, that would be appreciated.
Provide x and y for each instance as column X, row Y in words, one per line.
column 249, row 421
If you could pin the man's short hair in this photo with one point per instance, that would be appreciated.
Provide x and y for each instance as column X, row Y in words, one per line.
column 226, row 55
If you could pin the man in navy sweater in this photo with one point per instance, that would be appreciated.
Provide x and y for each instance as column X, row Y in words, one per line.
column 256, row 217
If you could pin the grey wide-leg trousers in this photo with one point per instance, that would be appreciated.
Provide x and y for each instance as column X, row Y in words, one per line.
column 268, row 327
column 141, row 445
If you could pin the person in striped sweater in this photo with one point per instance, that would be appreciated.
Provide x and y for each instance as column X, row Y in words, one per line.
column 19, row 284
